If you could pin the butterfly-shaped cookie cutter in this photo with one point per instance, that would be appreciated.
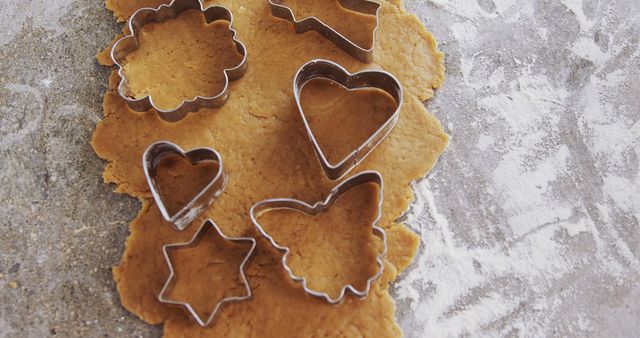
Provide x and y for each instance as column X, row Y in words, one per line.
column 376, row 79
column 130, row 43
column 313, row 23
column 193, row 242
column 151, row 161
column 268, row 205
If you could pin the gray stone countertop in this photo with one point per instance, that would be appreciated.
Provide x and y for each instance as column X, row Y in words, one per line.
column 529, row 222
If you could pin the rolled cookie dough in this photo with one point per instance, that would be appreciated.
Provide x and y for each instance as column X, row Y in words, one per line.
column 267, row 154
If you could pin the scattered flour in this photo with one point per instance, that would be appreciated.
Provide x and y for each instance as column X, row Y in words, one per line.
column 554, row 213
column 575, row 6
column 536, row 206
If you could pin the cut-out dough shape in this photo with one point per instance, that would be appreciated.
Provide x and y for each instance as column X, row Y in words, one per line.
column 192, row 243
column 194, row 208
column 325, row 69
column 313, row 23
column 130, row 43
column 266, row 206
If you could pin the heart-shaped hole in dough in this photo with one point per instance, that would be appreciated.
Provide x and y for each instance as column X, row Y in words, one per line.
column 183, row 184
column 356, row 102
column 180, row 181
column 343, row 119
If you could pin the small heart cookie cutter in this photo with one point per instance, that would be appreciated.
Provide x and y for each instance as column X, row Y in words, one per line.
column 313, row 23
column 129, row 43
column 377, row 79
column 151, row 161
column 193, row 242
column 364, row 177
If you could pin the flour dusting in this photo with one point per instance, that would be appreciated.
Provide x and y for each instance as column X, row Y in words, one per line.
column 529, row 225
column 530, row 222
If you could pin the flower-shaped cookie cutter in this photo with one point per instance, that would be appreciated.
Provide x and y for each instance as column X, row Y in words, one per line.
column 129, row 43
column 376, row 79
column 364, row 177
column 151, row 161
column 313, row 23
column 192, row 243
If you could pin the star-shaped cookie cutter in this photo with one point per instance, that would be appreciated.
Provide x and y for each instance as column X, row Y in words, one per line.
column 129, row 43
column 313, row 23
column 268, row 205
column 193, row 242
column 151, row 161
column 365, row 79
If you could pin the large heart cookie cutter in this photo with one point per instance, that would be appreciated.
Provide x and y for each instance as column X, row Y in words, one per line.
column 366, row 79
column 313, row 23
column 364, row 177
column 129, row 43
column 193, row 242
column 151, row 161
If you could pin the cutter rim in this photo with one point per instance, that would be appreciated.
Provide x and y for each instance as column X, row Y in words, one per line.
column 363, row 54
column 189, row 212
column 233, row 299
column 336, row 171
column 146, row 102
column 369, row 176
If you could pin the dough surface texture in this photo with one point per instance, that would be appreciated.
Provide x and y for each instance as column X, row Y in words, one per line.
column 266, row 154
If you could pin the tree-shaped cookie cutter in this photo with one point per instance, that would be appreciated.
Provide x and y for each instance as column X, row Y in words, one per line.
column 313, row 23
column 268, row 205
column 193, row 242
column 151, row 161
column 129, row 43
column 376, row 79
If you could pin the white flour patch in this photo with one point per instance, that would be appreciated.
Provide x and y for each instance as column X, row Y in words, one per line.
column 484, row 142
column 576, row 228
column 587, row 49
column 524, row 192
column 575, row 6
column 529, row 225
column 454, row 293
column 528, row 107
column 462, row 8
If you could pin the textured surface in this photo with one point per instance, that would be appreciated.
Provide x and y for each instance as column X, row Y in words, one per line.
column 267, row 154
column 529, row 223
column 208, row 81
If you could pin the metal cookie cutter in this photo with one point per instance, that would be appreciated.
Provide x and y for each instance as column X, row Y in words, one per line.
column 192, row 243
column 151, row 161
column 129, row 43
column 293, row 204
column 366, row 79
column 313, row 23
